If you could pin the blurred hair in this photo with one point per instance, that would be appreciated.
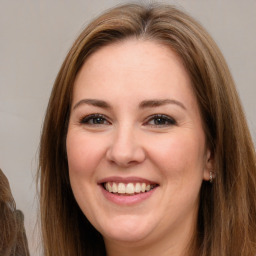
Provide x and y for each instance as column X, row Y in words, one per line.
column 227, row 213
column 13, row 241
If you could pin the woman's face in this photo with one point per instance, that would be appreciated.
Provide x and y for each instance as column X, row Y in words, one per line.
column 136, row 148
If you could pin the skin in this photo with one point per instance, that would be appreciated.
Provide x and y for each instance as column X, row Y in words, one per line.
column 128, row 142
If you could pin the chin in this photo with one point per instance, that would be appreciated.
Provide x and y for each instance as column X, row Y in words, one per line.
column 128, row 231
column 126, row 236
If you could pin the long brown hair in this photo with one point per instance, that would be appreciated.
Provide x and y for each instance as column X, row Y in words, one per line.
column 13, row 241
column 227, row 212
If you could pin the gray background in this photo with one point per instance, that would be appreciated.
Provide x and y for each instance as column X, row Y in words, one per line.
column 34, row 39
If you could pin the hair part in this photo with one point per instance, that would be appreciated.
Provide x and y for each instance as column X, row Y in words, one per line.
column 226, row 220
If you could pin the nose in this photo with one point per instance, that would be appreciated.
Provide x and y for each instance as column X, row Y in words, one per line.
column 126, row 148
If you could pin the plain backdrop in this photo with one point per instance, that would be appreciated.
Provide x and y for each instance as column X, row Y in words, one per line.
column 36, row 35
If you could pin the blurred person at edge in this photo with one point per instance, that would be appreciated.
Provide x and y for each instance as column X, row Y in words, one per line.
column 145, row 148
column 13, row 240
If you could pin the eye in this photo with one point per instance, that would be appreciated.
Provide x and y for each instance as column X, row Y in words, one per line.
column 160, row 120
column 94, row 119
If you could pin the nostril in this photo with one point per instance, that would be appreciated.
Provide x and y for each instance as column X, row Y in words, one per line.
column 126, row 157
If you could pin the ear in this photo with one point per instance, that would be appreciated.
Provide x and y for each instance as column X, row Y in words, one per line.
column 209, row 165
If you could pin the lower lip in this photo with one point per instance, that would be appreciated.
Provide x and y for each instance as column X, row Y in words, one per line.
column 127, row 200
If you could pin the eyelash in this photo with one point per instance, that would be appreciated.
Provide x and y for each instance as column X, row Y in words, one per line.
column 159, row 120
column 96, row 119
column 163, row 121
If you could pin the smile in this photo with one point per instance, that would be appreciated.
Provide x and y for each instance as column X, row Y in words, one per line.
column 121, row 188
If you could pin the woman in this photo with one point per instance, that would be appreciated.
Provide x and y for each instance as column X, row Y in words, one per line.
column 13, row 241
column 145, row 149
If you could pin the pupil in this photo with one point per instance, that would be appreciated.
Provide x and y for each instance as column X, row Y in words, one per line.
column 98, row 120
column 159, row 121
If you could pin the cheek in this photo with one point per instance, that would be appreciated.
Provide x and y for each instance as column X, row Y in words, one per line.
column 84, row 153
column 179, row 154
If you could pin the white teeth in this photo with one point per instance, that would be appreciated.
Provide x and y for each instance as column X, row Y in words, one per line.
column 108, row 187
column 143, row 187
column 129, row 188
column 114, row 187
column 137, row 188
column 121, row 188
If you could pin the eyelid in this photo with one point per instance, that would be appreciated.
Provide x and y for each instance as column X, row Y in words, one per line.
column 171, row 121
column 168, row 120
column 85, row 119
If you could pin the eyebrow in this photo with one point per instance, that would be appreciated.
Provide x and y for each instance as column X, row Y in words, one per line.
column 158, row 103
column 143, row 104
column 93, row 102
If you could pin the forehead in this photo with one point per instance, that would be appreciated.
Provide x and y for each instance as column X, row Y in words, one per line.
column 135, row 53
column 133, row 67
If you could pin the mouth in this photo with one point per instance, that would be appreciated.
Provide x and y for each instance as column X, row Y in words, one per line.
column 128, row 189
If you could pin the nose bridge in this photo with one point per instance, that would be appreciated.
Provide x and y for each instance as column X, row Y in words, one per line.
column 126, row 148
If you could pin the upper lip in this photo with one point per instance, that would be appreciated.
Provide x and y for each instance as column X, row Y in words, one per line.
column 119, row 179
